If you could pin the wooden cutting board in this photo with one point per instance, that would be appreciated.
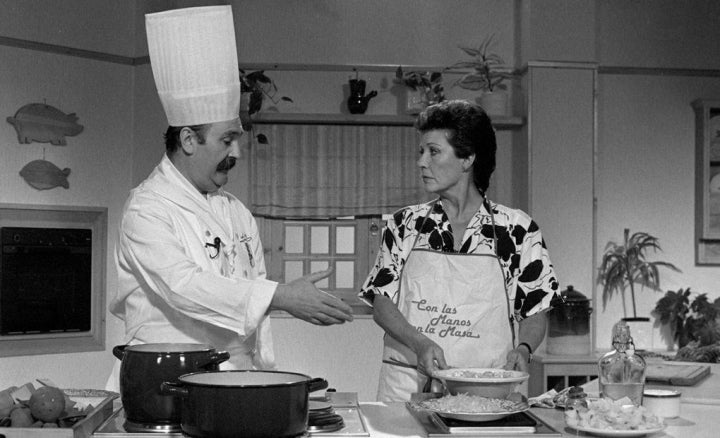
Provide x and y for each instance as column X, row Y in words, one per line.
column 680, row 374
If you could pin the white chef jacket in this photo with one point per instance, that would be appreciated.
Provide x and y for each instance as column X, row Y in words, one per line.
column 172, row 287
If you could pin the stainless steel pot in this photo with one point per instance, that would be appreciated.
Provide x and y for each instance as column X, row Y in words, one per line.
column 146, row 366
column 244, row 403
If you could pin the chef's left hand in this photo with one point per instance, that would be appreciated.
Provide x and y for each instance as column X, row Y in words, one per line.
column 517, row 359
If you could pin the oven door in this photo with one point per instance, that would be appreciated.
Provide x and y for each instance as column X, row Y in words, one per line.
column 45, row 280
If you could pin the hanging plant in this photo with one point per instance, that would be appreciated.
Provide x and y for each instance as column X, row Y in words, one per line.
column 259, row 87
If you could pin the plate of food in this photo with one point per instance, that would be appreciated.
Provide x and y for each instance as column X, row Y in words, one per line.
column 472, row 408
column 619, row 433
column 614, row 418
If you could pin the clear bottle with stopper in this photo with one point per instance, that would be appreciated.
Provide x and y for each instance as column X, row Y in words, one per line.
column 621, row 372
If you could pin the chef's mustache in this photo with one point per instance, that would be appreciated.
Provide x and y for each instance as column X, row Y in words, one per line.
column 227, row 164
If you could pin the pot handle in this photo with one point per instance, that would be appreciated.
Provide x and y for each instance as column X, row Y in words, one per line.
column 173, row 388
column 317, row 384
column 216, row 358
column 119, row 351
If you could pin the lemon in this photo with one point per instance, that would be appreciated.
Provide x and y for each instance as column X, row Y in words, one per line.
column 47, row 404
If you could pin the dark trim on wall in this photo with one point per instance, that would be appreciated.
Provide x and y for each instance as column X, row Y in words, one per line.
column 68, row 51
column 653, row 71
column 141, row 60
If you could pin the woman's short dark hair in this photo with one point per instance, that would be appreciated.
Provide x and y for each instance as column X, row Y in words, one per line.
column 470, row 131
column 172, row 136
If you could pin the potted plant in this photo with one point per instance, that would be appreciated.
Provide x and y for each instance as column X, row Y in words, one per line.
column 488, row 74
column 693, row 325
column 255, row 87
column 625, row 265
column 423, row 88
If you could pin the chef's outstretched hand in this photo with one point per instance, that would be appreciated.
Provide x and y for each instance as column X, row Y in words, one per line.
column 303, row 300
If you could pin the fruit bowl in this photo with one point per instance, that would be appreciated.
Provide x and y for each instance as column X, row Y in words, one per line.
column 484, row 382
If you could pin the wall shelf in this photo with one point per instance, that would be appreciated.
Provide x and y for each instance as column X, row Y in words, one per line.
column 500, row 123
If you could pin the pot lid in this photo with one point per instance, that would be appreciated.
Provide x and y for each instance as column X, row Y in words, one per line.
column 570, row 297
column 570, row 294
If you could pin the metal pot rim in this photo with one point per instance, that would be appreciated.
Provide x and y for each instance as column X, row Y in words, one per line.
column 195, row 379
column 170, row 348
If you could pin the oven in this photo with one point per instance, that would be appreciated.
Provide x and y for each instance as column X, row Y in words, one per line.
column 45, row 280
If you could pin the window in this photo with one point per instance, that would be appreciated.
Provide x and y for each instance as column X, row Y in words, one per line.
column 294, row 248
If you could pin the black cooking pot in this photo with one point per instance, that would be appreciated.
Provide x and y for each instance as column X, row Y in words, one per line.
column 244, row 403
column 570, row 314
column 146, row 366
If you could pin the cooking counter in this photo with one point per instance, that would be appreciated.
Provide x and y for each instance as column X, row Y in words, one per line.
column 699, row 417
column 393, row 420
column 699, row 414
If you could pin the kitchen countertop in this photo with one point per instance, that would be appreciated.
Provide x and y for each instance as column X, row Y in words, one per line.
column 699, row 413
column 391, row 420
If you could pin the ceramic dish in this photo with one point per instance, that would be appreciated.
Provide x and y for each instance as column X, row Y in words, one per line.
column 477, row 417
column 617, row 433
column 483, row 382
column 495, row 375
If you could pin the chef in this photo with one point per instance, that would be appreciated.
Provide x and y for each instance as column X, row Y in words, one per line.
column 189, row 259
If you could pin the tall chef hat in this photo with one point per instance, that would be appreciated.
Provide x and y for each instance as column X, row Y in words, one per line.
column 194, row 62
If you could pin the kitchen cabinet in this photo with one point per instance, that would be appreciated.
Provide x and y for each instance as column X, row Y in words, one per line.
column 707, row 182
column 558, row 372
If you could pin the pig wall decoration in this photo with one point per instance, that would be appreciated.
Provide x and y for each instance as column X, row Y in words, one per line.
column 44, row 124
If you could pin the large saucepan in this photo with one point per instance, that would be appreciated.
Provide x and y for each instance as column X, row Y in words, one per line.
column 244, row 403
column 146, row 366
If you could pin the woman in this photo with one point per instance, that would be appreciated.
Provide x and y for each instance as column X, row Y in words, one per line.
column 457, row 277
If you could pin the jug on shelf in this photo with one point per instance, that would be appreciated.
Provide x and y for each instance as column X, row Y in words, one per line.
column 358, row 101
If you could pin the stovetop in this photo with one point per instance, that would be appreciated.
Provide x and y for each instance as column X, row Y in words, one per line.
column 344, row 404
column 518, row 424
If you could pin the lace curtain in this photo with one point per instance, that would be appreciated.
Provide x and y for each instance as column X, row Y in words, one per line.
column 328, row 171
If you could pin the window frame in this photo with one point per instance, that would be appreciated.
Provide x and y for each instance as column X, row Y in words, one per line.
column 367, row 241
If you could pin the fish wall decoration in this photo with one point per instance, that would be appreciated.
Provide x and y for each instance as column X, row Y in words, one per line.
column 44, row 124
column 44, row 175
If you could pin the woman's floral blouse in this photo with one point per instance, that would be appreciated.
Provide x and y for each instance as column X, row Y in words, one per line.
column 529, row 274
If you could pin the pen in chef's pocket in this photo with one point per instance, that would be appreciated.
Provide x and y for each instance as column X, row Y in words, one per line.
column 246, row 240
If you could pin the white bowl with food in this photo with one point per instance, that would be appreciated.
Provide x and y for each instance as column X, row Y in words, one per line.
column 483, row 382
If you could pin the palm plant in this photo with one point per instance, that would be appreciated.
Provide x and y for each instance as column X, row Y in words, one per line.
column 626, row 265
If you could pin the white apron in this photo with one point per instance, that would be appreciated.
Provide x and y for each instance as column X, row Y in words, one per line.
column 460, row 302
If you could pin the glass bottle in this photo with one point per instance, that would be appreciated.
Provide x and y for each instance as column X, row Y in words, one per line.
column 621, row 372
column 575, row 405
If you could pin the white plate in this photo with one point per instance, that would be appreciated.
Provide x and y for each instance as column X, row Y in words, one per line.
column 617, row 433
column 515, row 376
column 476, row 417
